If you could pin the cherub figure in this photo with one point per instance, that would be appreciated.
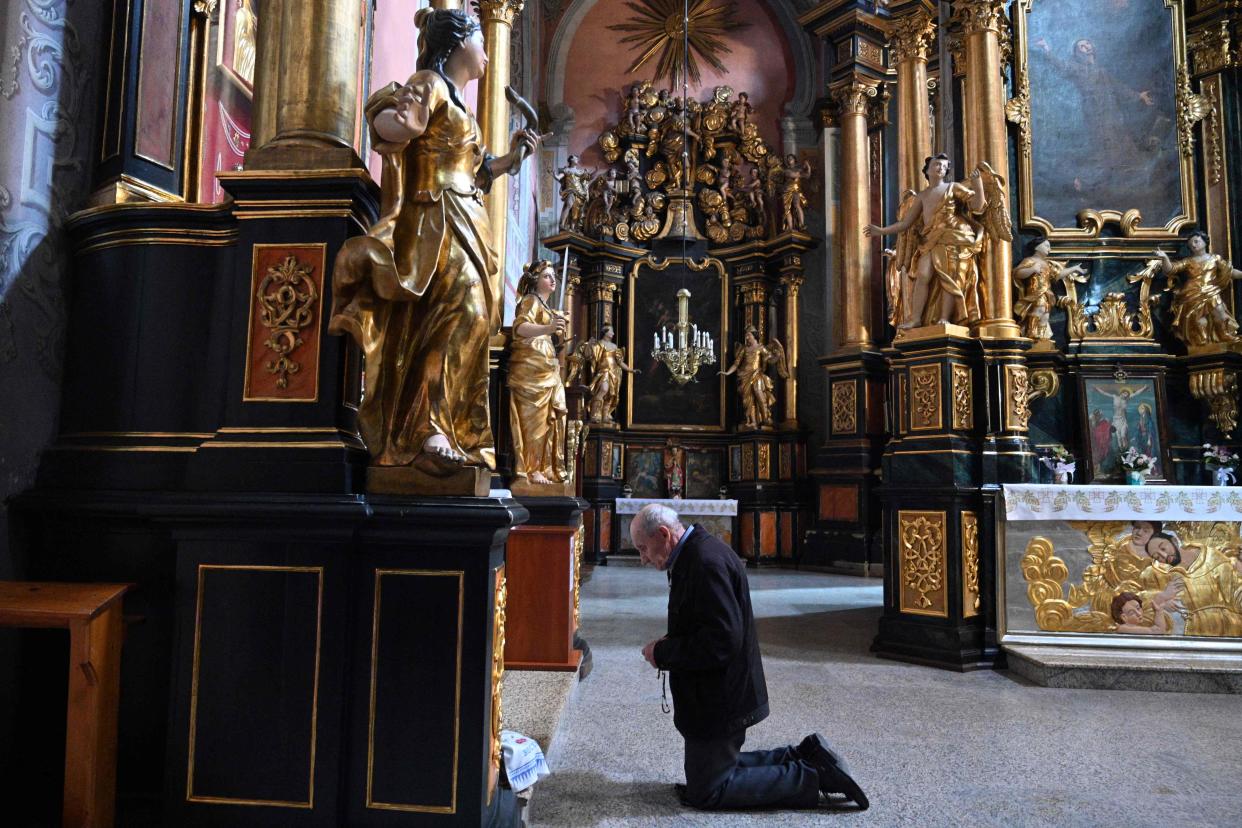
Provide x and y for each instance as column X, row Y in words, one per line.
column 634, row 109
column 739, row 113
column 755, row 388
column 574, row 190
column 754, row 196
column 1034, row 276
column 1200, row 315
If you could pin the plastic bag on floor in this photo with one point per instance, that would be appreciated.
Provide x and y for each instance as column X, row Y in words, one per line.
column 524, row 762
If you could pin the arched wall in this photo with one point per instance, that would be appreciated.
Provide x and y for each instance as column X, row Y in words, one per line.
column 772, row 59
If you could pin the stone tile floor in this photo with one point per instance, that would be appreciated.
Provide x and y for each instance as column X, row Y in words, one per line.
column 929, row 747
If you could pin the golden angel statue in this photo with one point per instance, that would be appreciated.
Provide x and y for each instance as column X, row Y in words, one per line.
column 1200, row 316
column 605, row 361
column 417, row 292
column 537, row 410
column 934, row 275
column 245, row 29
column 1034, row 277
column 755, row 388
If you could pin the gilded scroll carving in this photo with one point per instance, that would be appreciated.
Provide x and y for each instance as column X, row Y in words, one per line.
column 970, row 564
column 1218, row 387
column 844, row 406
column 288, row 302
column 925, row 393
column 963, row 404
column 1017, row 397
column 922, row 537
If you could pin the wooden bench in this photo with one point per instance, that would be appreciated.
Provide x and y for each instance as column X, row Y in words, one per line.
column 92, row 614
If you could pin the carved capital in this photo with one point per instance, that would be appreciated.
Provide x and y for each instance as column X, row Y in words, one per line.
column 1212, row 49
column 504, row 11
column 911, row 37
column 603, row 292
column 980, row 16
column 753, row 293
column 853, row 96
column 793, row 283
column 205, row 8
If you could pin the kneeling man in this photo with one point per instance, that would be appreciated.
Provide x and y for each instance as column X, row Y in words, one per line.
column 711, row 654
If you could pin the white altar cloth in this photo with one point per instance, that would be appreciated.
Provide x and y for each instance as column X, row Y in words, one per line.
column 1029, row 501
column 631, row 506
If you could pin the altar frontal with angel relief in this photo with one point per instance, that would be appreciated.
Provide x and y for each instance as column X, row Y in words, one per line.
column 1140, row 567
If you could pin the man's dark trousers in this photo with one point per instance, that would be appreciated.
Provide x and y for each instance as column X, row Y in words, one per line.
column 716, row 674
column 719, row 775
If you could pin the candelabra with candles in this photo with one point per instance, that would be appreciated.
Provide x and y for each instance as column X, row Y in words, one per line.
column 683, row 349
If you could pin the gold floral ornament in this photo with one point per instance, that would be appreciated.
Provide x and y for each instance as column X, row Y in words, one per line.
column 922, row 544
column 679, row 35
column 287, row 303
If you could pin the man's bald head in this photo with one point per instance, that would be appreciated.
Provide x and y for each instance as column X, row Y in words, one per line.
column 655, row 530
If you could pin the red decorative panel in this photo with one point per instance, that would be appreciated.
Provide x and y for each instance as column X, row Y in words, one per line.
column 748, row 533
column 286, row 296
column 787, row 536
column 838, row 503
column 605, row 530
column 767, row 534
column 159, row 77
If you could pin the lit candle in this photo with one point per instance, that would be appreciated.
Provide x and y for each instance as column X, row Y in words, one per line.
column 655, row 342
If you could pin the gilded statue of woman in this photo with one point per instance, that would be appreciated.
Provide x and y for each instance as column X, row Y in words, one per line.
column 934, row 276
column 416, row 292
column 1200, row 315
column 537, row 410
column 755, row 388
column 606, row 361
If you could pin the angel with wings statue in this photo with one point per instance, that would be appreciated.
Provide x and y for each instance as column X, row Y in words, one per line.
column 755, row 388
column 604, row 361
column 933, row 276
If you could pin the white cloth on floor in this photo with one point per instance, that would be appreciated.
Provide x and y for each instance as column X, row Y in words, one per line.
column 524, row 762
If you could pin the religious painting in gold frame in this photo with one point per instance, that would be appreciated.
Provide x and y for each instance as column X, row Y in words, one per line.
column 1105, row 118
column 654, row 402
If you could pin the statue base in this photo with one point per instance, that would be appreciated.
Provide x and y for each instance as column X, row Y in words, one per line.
column 524, row 488
column 932, row 332
column 468, row 481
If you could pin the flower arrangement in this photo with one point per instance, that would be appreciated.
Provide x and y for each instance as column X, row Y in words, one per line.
column 1135, row 461
column 1061, row 462
column 1218, row 457
column 1220, row 461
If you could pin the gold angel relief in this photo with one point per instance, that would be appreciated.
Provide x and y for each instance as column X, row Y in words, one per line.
column 1145, row 578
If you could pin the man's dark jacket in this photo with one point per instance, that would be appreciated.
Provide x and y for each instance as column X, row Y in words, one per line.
column 711, row 651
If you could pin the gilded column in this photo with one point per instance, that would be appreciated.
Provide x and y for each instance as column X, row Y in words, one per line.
column 910, row 42
column 266, row 75
column 446, row 4
column 852, row 97
column 792, row 282
column 315, row 115
column 497, row 17
column 983, row 97
column 753, row 297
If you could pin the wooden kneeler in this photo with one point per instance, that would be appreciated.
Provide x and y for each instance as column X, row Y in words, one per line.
column 92, row 614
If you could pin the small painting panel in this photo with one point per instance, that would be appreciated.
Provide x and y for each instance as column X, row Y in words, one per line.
column 286, row 297
column 1121, row 415
column 703, row 474
column 159, row 76
column 646, row 473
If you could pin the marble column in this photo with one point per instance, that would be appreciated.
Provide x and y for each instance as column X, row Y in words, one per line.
column 910, row 41
column 497, row 17
column 852, row 97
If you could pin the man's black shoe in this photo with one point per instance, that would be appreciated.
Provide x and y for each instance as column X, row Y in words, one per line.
column 680, row 790
column 834, row 773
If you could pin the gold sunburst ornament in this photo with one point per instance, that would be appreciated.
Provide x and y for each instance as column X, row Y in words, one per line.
column 680, row 32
